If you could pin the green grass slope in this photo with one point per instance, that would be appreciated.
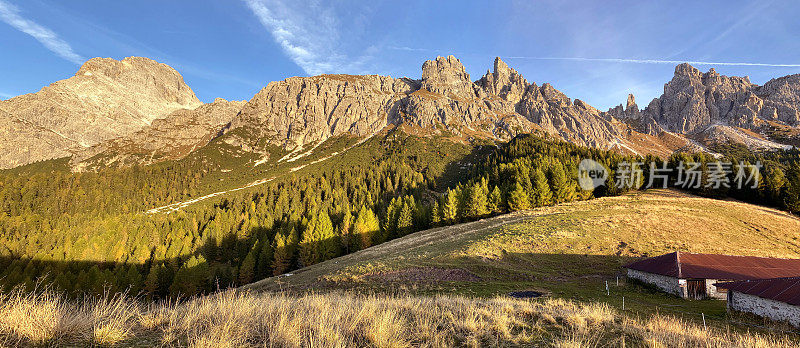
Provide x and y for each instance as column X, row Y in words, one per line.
column 566, row 251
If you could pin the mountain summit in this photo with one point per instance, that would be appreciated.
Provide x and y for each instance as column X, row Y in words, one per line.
column 105, row 99
column 710, row 108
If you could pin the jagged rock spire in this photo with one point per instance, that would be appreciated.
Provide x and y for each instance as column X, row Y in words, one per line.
column 504, row 82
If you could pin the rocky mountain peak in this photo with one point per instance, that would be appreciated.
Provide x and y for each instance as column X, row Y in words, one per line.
column 686, row 69
column 504, row 82
column 447, row 76
column 627, row 112
column 501, row 69
column 105, row 99
column 112, row 67
column 138, row 73
column 631, row 103
column 710, row 107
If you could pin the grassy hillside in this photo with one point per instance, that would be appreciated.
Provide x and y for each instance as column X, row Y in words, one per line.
column 231, row 319
column 565, row 251
column 446, row 287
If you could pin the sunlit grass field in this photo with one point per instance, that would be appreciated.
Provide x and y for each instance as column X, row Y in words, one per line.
column 572, row 251
column 340, row 319
column 449, row 286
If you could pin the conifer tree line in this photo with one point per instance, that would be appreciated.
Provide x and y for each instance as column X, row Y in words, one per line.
column 111, row 191
column 294, row 222
column 775, row 180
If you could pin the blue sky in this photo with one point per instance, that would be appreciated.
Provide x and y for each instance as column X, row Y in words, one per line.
column 597, row 51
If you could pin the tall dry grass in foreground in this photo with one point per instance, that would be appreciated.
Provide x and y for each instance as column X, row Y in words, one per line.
column 231, row 319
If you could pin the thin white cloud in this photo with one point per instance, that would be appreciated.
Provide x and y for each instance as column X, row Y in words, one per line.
column 656, row 61
column 309, row 33
column 410, row 49
column 4, row 95
column 10, row 14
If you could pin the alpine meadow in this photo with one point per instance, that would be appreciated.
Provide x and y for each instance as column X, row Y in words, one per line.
column 331, row 206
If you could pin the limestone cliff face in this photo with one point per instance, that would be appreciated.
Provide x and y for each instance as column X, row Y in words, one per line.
column 693, row 100
column 781, row 100
column 172, row 137
column 105, row 99
column 710, row 106
column 303, row 110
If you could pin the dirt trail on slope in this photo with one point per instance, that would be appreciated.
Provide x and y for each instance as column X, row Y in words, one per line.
column 177, row 206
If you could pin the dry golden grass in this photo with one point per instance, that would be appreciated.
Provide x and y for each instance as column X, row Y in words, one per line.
column 241, row 319
column 550, row 242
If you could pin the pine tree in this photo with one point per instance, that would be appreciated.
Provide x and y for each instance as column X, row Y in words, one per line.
column 283, row 255
column 774, row 181
column 346, row 231
column 247, row 270
column 495, row 200
column 436, row 213
column 330, row 242
column 450, row 206
column 151, row 282
column 541, row 195
column 563, row 188
column 264, row 263
column 191, row 278
column 392, row 212
column 366, row 228
column 791, row 191
column 134, row 279
column 405, row 218
column 476, row 205
column 518, row 198
column 319, row 240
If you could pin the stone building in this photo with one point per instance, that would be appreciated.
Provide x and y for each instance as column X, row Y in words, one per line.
column 692, row 276
column 777, row 299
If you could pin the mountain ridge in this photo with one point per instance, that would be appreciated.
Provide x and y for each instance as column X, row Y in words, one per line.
column 501, row 104
column 105, row 113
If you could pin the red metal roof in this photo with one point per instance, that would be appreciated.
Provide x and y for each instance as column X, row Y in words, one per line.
column 712, row 266
column 779, row 289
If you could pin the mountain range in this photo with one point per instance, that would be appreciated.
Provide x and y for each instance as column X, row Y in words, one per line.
column 138, row 111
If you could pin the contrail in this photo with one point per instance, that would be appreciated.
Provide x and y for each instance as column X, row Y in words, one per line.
column 655, row 61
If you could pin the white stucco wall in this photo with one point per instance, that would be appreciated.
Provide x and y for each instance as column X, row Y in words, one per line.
column 772, row 309
column 668, row 284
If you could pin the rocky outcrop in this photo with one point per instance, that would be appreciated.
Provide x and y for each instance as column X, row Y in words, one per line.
column 781, row 100
column 501, row 104
column 717, row 108
column 105, row 99
column 172, row 137
column 303, row 110
column 448, row 77
column 504, row 82
column 448, row 100
column 692, row 101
